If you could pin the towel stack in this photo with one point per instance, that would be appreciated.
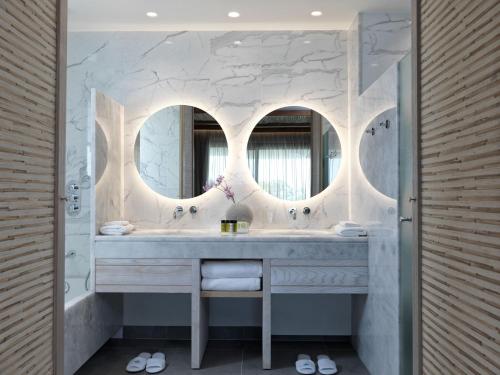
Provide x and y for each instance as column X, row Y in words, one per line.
column 116, row 228
column 349, row 229
column 235, row 275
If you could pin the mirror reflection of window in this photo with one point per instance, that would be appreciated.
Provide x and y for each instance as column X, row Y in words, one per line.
column 210, row 150
column 281, row 163
column 294, row 153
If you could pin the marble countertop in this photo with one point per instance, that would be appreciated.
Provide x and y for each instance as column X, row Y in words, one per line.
column 255, row 235
column 258, row 244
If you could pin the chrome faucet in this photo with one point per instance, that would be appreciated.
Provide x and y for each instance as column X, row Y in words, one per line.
column 293, row 213
column 70, row 254
column 178, row 210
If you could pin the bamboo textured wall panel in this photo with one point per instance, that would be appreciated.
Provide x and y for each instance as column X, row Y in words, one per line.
column 28, row 47
column 460, row 185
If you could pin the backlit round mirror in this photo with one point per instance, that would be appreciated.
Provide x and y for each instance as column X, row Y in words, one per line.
column 294, row 153
column 378, row 153
column 179, row 149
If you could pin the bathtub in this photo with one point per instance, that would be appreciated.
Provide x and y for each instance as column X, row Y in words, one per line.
column 90, row 319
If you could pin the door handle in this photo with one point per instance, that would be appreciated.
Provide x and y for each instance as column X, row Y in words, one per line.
column 403, row 219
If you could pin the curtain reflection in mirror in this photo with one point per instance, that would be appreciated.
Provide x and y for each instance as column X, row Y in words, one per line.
column 210, row 157
column 294, row 153
column 281, row 163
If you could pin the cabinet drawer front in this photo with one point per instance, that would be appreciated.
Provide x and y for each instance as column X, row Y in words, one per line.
column 143, row 275
column 319, row 276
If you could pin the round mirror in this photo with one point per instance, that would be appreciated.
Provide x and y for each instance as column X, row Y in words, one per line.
column 378, row 153
column 179, row 149
column 294, row 153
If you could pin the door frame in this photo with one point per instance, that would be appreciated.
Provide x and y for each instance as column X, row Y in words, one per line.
column 417, row 234
column 59, row 197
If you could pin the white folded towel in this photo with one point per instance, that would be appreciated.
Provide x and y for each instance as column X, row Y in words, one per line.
column 116, row 230
column 349, row 231
column 349, row 224
column 116, row 222
column 239, row 284
column 213, row 269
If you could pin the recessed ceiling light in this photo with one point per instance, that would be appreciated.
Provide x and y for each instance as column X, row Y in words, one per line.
column 316, row 13
column 233, row 14
column 307, row 42
column 169, row 42
column 238, row 42
column 152, row 14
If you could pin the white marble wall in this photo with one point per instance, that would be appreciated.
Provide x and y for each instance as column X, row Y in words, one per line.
column 385, row 38
column 379, row 152
column 237, row 84
column 375, row 316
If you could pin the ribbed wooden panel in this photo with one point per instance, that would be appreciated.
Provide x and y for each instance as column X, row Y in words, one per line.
column 460, row 186
column 27, row 173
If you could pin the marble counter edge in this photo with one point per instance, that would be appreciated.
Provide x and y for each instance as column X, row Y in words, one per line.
column 236, row 238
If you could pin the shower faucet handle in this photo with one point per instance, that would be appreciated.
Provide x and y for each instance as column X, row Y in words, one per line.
column 293, row 213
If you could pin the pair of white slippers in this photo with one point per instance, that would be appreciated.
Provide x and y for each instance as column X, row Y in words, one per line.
column 304, row 365
column 153, row 364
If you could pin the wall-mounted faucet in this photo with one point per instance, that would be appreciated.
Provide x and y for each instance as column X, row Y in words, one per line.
column 293, row 213
column 177, row 211
column 70, row 254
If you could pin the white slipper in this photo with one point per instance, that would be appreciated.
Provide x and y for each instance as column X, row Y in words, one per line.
column 156, row 363
column 304, row 365
column 326, row 366
column 138, row 364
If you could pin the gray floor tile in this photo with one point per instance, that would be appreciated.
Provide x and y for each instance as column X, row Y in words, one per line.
column 221, row 357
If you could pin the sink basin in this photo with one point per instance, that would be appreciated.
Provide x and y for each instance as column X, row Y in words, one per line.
column 215, row 233
column 174, row 232
column 290, row 232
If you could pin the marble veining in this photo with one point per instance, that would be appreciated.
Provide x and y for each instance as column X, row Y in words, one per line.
column 375, row 316
column 158, row 144
column 201, row 235
column 378, row 151
column 259, row 246
column 237, row 84
column 89, row 321
column 385, row 38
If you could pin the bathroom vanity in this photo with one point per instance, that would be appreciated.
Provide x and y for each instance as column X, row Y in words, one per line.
column 169, row 261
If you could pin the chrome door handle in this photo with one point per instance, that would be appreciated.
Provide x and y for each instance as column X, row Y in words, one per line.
column 403, row 219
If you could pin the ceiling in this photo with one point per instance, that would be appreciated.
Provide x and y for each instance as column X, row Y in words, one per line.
column 173, row 15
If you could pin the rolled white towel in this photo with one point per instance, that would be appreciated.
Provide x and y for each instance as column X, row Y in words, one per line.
column 116, row 230
column 239, row 284
column 349, row 232
column 213, row 269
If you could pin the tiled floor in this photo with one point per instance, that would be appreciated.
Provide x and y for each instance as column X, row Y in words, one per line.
column 221, row 357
